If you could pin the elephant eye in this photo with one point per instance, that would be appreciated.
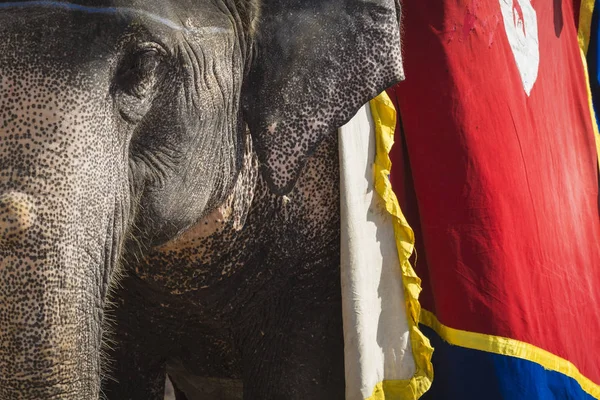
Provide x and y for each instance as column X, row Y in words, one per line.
column 137, row 74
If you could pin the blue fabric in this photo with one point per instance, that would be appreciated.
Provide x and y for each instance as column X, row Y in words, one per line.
column 466, row 374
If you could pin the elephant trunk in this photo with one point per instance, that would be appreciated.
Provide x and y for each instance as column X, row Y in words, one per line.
column 50, row 303
column 63, row 191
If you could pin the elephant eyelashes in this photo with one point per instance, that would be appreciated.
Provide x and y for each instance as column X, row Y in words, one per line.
column 138, row 73
column 136, row 79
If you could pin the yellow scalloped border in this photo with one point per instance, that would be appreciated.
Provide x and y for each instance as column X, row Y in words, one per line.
column 586, row 9
column 510, row 348
column 384, row 116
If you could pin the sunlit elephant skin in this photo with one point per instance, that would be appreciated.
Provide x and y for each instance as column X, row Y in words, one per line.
column 168, row 193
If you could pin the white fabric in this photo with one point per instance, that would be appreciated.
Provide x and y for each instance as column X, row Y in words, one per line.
column 376, row 336
column 522, row 33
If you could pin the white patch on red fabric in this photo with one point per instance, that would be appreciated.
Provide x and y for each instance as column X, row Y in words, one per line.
column 520, row 24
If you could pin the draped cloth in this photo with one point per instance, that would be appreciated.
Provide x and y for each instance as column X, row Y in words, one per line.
column 496, row 170
column 386, row 356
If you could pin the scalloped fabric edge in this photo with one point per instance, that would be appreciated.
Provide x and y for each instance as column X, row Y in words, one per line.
column 384, row 117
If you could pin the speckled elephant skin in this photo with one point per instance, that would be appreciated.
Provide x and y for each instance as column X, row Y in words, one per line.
column 169, row 196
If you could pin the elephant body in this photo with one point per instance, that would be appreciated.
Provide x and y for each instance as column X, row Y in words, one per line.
column 169, row 193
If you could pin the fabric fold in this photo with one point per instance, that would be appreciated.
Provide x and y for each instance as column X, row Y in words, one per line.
column 386, row 356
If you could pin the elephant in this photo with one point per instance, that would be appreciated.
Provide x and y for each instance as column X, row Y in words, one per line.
column 169, row 193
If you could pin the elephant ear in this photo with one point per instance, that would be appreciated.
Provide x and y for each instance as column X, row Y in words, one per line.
column 316, row 63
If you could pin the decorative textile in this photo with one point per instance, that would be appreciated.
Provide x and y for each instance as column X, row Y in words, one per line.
column 496, row 171
column 386, row 355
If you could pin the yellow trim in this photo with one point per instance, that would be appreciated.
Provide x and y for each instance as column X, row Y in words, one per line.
column 509, row 347
column 586, row 10
column 384, row 116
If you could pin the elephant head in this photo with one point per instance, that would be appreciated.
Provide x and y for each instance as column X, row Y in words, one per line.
column 125, row 121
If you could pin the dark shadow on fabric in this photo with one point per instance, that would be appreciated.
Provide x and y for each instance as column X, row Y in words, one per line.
column 404, row 187
column 593, row 72
column 558, row 18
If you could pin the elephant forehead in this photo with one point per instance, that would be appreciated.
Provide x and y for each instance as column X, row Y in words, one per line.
column 161, row 12
column 90, row 9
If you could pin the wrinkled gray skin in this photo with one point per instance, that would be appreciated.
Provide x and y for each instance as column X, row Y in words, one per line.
column 168, row 189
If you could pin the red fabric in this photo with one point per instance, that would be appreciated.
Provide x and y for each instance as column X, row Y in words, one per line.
column 501, row 187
